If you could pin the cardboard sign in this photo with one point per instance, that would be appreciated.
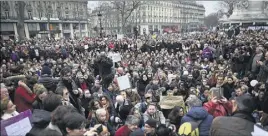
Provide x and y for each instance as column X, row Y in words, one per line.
column 18, row 125
column 123, row 82
column 169, row 102
column 120, row 36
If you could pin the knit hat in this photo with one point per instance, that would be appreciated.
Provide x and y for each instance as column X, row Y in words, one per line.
column 245, row 103
column 193, row 101
column 151, row 122
column 137, row 132
column 46, row 70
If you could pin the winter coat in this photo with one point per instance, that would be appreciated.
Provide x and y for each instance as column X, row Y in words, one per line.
column 218, row 109
column 158, row 116
column 133, row 97
column 199, row 113
column 48, row 82
column 123, row 131
column 40, row 120
column 37, row 104
column 74, row 98
column 240, row 124
column 141, row 85
column 263, row 74
column 23, row 100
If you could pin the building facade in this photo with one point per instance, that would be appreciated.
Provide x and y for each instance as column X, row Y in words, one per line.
column 156, row 16
column 43, row 19
column 170, row 16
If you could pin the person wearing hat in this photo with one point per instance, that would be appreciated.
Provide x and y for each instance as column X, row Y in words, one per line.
column 241, row 123
column 149, row 127
column 46, row 78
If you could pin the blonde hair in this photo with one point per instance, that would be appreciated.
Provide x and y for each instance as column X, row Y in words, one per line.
column 4, row 103
column 39, row 89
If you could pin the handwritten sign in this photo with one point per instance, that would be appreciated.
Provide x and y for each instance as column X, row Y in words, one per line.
column 18, row 125
column 123, row 82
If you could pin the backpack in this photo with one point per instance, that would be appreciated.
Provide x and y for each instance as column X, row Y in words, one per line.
column 190, row 128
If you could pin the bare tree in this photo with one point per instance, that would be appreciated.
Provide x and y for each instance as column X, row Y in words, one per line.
column 211, row 20
column 229, row 6
column 20, row 24
column 125, row 9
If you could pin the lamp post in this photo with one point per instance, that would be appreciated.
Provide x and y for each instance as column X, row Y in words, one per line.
column 49, row 12
column 100, row 16
column 80, row 12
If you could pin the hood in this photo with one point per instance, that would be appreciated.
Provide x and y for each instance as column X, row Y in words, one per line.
column 40, row 118
column 197, row 113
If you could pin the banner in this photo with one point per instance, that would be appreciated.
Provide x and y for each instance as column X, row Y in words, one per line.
column 123, row 82
column 18, row 125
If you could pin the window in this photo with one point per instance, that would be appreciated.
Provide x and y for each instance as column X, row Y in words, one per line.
column 43, row 27
column 66, row 26
column 30, row 15
column 7, row 14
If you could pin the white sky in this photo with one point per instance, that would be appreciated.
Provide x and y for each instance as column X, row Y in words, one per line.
column 210, row 6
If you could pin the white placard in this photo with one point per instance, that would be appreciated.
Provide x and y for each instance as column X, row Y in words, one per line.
column 120, row 36
column 86, row 47
column 123, row 82
column 259, row 132
column 116, row 57
column 20, row 128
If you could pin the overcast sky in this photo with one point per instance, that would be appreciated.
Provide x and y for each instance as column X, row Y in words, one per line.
column 210, row 6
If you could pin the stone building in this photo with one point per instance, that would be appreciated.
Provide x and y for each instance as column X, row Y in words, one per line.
column 60, row 19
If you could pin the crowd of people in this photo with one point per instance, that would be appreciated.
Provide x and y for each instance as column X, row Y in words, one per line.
column 71, row 86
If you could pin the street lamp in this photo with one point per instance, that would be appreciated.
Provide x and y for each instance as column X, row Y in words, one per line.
column 80, row 12
column 49, row 12
column 100, row 16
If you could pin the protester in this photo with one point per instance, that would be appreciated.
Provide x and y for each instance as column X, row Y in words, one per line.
column 131, row 124
column 83, row 75
column 198, row 113
column 240, row 123
column 8, row 109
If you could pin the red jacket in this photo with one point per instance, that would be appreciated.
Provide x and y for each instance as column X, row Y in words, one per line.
column 123, row 131
column 23, row 100
column 218, row 109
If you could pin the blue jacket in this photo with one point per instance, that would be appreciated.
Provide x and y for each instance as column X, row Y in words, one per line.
column 199, row 113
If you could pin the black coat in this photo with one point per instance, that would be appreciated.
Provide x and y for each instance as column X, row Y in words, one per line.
column 40, row 120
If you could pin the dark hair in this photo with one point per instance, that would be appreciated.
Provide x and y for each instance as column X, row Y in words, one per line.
column 58, row 114
column 50, row 132
column 65, row 70
column 91, row 105
column 51, row 102
column 162, row 130
column 73, row 120
column 174, row 115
